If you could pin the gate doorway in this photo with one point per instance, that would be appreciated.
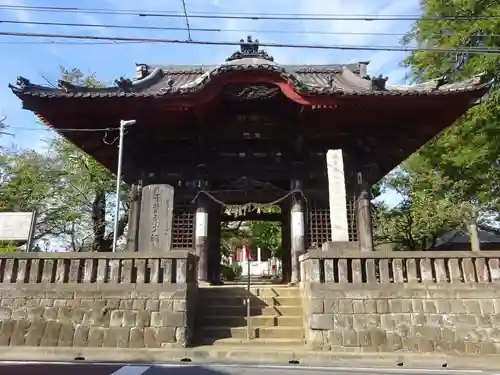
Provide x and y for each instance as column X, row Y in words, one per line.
column 252, row 248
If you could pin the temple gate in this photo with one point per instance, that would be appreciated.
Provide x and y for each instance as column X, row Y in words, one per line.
column 311, row 138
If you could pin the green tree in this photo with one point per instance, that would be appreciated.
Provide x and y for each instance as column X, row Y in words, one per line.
column 234, row 234
column 93, row 186
column 71, row 192
column 267, row 234
column 426, row 211
column 263, row 234
column 454, row 179
column 89, row 193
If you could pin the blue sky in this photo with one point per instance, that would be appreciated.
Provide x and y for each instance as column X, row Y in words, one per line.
column 110, row 61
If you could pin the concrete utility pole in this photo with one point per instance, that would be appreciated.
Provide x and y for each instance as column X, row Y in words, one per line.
column 123, row 124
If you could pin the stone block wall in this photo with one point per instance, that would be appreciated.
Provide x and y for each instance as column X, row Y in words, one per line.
column 139, row 305
column 444, row 302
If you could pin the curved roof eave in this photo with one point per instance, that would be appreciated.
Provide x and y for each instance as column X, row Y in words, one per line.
column 307, row 81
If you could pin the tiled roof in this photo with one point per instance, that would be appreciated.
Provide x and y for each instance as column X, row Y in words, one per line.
column 184, row 80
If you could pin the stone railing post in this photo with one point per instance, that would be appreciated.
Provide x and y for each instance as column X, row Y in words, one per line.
column 176, row 267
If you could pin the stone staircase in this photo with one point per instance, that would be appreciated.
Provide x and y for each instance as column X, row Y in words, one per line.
column 276, row 316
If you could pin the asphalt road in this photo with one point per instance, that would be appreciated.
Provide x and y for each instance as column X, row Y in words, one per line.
column 13, row 368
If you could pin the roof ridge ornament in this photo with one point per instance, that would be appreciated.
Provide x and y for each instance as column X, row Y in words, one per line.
column 22, row 82
column 378, row 83
column 124, row 83
column 249, row 49
column 66, row 86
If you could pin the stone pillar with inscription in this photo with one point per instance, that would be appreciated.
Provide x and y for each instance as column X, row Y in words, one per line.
column 297, row 228
column 364, row 214
column 155, row 223
column 337, row 196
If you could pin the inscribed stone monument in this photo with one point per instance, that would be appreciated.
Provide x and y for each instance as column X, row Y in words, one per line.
column 337, row 195
column 155, row 225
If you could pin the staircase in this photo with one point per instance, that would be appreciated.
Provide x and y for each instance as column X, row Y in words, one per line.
column 276, row 316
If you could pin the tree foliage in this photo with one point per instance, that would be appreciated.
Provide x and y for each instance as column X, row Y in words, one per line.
column 453, row 181
column 71, row 193
column 263, row 234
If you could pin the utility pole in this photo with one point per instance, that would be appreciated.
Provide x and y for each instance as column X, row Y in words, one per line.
column 123, row 124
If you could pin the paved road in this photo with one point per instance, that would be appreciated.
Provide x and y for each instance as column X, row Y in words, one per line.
column 185, row 369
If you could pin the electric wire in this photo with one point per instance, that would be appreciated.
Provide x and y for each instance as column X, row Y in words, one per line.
column 81, row 130
column 60, row 42
column 243, row 15
column 186, row 18
column 470, row 50
column 216, row 30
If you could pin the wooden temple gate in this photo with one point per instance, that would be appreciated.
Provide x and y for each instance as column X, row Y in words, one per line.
column 317, row 226
column 315, row 211
column 251, row 130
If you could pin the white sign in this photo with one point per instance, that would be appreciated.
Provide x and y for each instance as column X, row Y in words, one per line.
column 201, row 224
column 297, row 224
column 16, row 226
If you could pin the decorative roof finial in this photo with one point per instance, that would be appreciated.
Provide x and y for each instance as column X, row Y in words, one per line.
column 22, row 82
column 378, row 83
column 124, row 83
column 249, row 49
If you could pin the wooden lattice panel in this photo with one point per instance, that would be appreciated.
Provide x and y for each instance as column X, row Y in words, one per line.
column 319, row 228
column 352, row 222
column 319, row 224
column 183, row 228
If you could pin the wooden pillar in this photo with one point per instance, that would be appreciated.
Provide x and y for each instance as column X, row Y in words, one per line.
column 214, row 236
column 201, row 237
column 297, row 229
column 286, row 237
column 364, row 214
column 133, row 218
column 201, row 227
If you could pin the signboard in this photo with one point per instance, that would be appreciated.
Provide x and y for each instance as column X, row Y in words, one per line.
column 17, row 226
column 337, row 193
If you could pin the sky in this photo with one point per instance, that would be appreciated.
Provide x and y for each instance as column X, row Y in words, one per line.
column 40, row 62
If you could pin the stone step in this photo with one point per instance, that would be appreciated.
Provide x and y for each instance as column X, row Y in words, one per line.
column 271, row 343
column 261, row 333
column 256, row 301
column 242, row 291
column 241, row 311
column 255, row 321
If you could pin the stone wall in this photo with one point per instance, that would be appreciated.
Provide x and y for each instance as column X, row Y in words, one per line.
column 444, row 302
column 127, row 300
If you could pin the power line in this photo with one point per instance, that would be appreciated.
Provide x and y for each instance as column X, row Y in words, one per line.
column 470, row 50
column 186, row 18
column 108, row 26
column 245, row 16
column 59, row 42
column 82, row 130
column 215, row 30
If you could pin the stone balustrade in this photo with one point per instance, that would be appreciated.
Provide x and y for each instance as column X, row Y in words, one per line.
column 175, row 267
column 125, row 300
column 401, row 301
column 395, row 267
